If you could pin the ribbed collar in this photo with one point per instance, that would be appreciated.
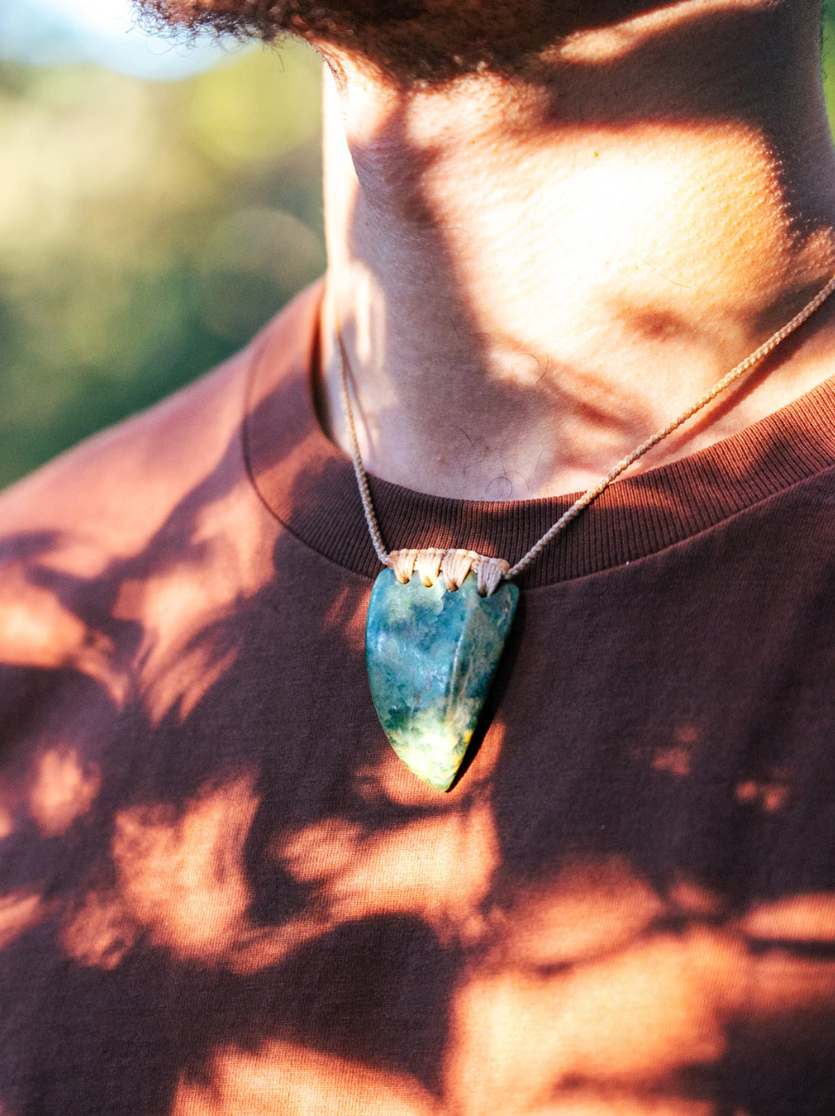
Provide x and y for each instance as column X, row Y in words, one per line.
column 308, row 483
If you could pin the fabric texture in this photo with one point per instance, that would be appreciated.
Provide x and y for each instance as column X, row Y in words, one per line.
column 220, row 892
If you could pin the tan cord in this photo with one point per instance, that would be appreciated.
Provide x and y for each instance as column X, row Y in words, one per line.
column 359, row 468
column 591, row 495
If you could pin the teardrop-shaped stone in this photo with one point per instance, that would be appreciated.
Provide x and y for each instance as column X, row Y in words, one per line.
column 431, row 656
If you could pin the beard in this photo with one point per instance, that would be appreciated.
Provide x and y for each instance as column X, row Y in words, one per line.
column 411, row 42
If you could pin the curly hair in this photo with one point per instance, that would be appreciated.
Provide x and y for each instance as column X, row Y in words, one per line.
column 412, row 41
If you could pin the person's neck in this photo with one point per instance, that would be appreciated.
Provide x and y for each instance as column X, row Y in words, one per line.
column 533, row 276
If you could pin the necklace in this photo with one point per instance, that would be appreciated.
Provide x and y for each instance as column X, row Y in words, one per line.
column 438, row 618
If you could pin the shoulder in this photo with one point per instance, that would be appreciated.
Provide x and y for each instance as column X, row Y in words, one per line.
column 114, row 482
column 150, row 516
column 117, row 484
column 68, row 527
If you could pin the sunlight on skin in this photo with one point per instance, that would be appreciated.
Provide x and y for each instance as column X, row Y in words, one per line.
column 283, row 1079
column 632, row 241
column 590, row 992
column 621, row 238
column 64, row 789
column 605, row 44
column 607, row 1101
column 528, row 265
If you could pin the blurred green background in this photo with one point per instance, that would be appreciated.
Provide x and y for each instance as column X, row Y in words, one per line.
column 148, row 226
column 157, row 206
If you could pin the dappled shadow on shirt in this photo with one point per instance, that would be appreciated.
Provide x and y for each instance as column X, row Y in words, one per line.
column 221, row 892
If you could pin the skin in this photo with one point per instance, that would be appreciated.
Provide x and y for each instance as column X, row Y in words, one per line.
column 205, row 912
column 536, row 265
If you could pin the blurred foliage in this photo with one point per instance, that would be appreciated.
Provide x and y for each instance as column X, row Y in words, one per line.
column 147, row 229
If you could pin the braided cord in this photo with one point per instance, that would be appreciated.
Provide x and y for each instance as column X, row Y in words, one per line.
column 591, row 495
column 600, row 487
column 359, row 468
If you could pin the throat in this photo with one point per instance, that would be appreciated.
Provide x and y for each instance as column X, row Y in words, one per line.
column 525, row 298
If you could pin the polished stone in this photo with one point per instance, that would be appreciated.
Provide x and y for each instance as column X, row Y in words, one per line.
column 431, row 656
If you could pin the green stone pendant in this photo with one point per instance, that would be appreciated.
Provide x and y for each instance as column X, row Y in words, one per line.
column 431, row 654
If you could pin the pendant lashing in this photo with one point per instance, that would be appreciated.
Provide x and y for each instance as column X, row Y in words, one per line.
column 432, row 649
column 453, row 565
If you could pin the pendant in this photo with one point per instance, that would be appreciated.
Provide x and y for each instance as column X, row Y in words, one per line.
column 432, row 647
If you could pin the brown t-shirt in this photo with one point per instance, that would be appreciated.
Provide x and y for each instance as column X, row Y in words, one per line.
column 220, row 891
